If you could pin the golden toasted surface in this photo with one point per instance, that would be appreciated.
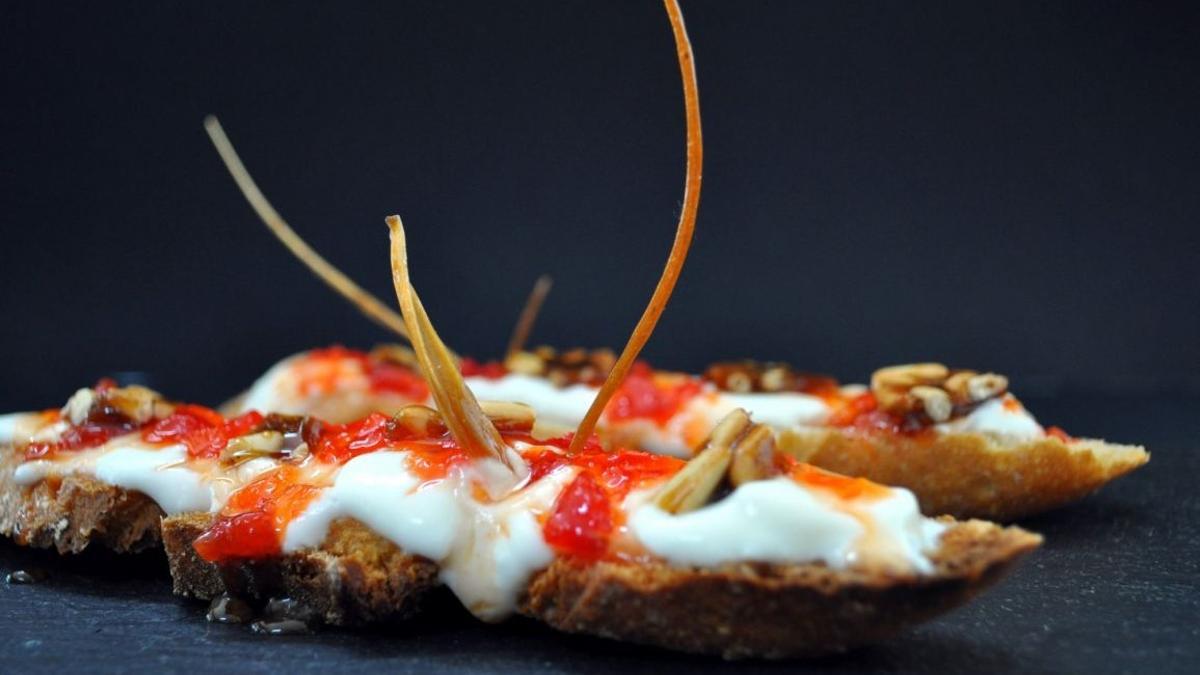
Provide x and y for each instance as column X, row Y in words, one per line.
column 355, row 577
column 971, row 475
column 769, row 611
column 73, row 512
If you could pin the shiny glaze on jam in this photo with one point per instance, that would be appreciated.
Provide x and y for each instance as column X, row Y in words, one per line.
column 254, row 519
column 203, row 431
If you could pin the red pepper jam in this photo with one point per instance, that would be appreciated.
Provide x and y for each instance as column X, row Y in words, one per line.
column 432, row 451
column 254, row 520
column 843, row 486
column 1057, row 432
column 862, row 413
column 586, row 513
column 203, row 430
column 582, row 519
column 80, row 437
column 322, row 371
column 642, row 397
column 492, row 370
column 98, row 429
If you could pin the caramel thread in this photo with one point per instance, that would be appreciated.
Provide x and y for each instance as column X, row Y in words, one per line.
column 366, row 303
column 529, row 314
column 456, row 404
column 683, row 233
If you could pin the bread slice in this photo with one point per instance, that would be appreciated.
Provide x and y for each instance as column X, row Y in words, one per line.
column 74, row 512
column 739, row 610
column 356, row 577
column 769, row 611
column 970, row 475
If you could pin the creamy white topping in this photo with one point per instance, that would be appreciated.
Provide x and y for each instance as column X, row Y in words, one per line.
column 281, row 390
column 161, row 473
column 784, row 409
column 997, row 418
column 564, row 406
column 486, row 551
column 781, row 521
column 769, row 521
column 9, row 424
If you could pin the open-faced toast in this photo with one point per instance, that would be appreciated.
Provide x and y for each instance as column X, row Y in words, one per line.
column 72, row 512
column 740, row 551
column 972, row 474
column 354, row 577
column 772, row 611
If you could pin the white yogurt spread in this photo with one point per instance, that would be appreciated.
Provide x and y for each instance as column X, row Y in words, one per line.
column 996, row 418
column 161, row 473
column 782, row 521
column 486, row 551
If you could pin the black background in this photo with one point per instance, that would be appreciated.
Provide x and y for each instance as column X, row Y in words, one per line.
column 1010, row 186
column 1002, row 185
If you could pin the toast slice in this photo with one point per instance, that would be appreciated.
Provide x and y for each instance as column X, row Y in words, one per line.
column 74, row 512
column 355, row 577
column 770, row 611
column 956, row 460
column 735, row 610
column 970, row 474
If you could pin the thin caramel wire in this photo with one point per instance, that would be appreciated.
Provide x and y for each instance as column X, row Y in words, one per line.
column 365, row 302
column 456, row 404
column 683, row 233
column 529, row 314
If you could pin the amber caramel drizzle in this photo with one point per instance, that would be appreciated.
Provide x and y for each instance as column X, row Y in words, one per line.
column 683, row 233
column 455, row 402
column 359, row 297
column 529, row 314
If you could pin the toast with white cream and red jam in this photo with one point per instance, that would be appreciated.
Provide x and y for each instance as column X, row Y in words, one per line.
column 587, row 541
column 106, row 467
column 580, row 536
column 958, row 439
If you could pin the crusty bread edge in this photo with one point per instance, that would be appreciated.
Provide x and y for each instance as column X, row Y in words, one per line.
column 971, row 475
column 762, row 611
column 736, row 610
column 72, row 513
column 355, row 577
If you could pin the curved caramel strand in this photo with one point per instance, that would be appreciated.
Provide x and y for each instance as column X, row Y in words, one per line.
column 360, row 298
column 455, row 402
column 529, row 314
column 683, row 233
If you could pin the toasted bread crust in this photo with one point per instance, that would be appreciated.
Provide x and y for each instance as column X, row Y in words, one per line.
column 75, row 512
column 971, row 475
column 768, row 611
column 356, row 576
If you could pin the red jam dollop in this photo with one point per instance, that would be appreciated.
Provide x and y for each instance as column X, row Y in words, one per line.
column 1057, row 432
column 202, row 430
column 844, row 487
column 582, row 520
column 322, row 370
column 586, row 513
column 642, row 396
column 430, row 458
column 862, row 413
column 80, row 437
column 492, row 370
column 92, row 433
column 255, row 518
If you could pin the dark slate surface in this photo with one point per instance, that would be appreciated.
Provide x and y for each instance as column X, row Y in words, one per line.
column 1113, row 590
